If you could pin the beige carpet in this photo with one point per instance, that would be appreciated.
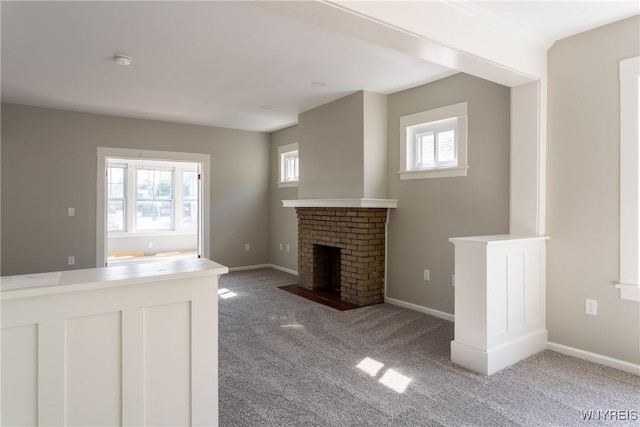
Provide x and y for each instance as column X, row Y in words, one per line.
column 287, row 361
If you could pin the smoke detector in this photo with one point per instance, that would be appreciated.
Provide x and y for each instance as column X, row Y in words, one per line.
column 122, row 60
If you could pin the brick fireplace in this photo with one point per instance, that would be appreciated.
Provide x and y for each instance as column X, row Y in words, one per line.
column 343, row 248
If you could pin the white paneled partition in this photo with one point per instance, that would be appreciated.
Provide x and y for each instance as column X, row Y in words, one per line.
column 129, row 345
column 499, row 301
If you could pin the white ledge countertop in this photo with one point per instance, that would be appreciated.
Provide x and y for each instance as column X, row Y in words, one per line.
column 499, row 239
column 29, row 285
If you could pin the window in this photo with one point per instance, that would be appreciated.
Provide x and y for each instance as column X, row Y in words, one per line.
column 189, row 200
column 288, row 165
column 146, row 196
column 116, row 197
column 154, row 201
column 629, row 179
column 434, row 143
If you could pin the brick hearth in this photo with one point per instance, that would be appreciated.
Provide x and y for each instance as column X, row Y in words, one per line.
column 359, row 233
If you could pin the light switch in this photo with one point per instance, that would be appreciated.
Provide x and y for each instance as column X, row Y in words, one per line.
column 71, row 211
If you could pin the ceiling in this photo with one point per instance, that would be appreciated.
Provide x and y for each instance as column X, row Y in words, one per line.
column 227, row 64
column 556, row 20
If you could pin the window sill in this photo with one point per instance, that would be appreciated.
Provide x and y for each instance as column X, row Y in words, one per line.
column 288, row 184
column 629, row 292
column 124, row 234
column 447, row 172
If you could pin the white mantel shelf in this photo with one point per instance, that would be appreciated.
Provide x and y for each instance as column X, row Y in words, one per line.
column 341, row 203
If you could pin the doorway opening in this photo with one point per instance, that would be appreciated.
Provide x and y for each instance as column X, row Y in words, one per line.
column 151, row 206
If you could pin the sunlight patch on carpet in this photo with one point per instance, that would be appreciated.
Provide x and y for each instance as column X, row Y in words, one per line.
column 225, row 293
column 395, row 381
column 370, row 366
column 391, row 378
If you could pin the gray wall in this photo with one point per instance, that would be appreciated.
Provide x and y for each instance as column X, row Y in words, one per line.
column 49, row 163
column 343, row 148
column 375, row 145
column 283, row 224
column 331, row 159
column 583, row 193
column 430, row 211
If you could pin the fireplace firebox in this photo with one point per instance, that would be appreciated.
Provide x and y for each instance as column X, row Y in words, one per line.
column 343, row 248
column 326, row 268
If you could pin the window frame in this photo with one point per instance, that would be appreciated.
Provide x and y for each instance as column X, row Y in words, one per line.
column 180, row 203
column 177, row 169
column 124, row 198
column 629, row 73
column 431, row 121
column 284, row 152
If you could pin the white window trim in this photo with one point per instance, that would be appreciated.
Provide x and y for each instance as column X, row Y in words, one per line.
column 101, row 222
column 283, row 150
column 450, row 111
column 629, row 179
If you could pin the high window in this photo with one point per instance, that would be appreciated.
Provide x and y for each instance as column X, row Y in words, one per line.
column 288, row 165
column 434, row 143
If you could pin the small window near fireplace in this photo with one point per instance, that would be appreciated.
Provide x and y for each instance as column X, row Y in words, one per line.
column 288, row 164
column 326, row 268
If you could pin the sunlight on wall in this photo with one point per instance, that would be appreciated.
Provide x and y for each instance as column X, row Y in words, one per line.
column 226, row 293
column 391, row 378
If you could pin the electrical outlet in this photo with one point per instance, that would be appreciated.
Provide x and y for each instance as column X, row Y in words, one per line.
column 427, row 275
column 71, row 260
column 71, row 211
column 288, row 248
column 591, row 307
column 150, row 245
column 247, row 247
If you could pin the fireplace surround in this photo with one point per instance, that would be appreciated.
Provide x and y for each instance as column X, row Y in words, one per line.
column 358, row 238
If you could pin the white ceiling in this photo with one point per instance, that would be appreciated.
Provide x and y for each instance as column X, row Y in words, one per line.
column 556, row 20
column 228, row 64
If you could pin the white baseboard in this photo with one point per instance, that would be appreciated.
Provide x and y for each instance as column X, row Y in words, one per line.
column 500, row 357
column 249, row 267
column 632, row 368
column 285, row 269
column 258, row 266
column 425, row 310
